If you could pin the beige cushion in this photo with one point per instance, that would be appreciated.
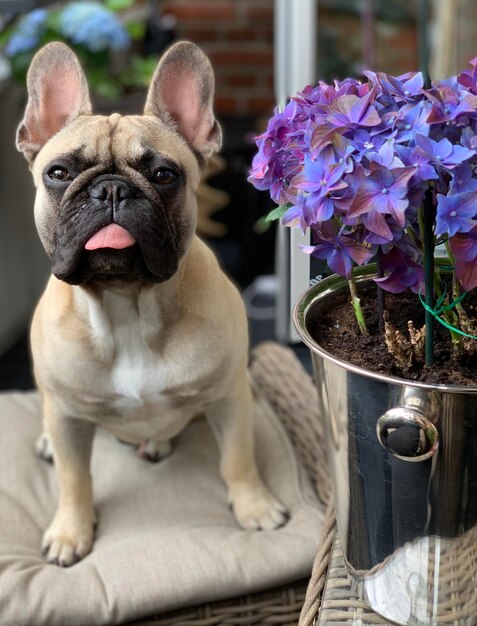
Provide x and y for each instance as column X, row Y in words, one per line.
column 165, row 538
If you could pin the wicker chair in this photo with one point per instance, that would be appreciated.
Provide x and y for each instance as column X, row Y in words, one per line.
column 290, row 391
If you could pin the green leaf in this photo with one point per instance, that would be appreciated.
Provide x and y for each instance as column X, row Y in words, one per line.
column 118, row 5
column 136, row 30
column 5, row 35
column 138, row 72
column 261, row 226
column 53, row 21
column 278, row 213
column 20, row 64
column 107, row 89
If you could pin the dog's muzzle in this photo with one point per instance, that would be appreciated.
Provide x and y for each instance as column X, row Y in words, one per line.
column 113, row 228
column 113, row 236
column 111, row 191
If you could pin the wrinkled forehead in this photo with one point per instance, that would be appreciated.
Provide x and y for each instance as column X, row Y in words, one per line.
column 115, row 138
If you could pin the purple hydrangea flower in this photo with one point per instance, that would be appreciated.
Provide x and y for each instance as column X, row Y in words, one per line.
column 320, row 180
column 463, row 179
column 295, row 215
column 340, row 251
column 450, row 101
column 456, row 213
column 365, row 142
column 386, row 156
column 468, row 138
column 402, row 272
column 382, row 191
column 350, row 111
column 443, row 152
column 412, row 118
column 354, row 160
column 412, row 157
column 464, row 249
column 468, row 78
column 280, row 155
column 400, row 88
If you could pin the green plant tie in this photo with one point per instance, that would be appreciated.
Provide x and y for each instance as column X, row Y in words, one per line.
column 439, row 309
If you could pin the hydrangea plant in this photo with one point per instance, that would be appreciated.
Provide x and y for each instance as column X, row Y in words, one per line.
column 95, row 30
column 364, row 164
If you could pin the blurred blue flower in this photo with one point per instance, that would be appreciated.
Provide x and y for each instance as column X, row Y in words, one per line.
column 93, row 26
column 29, row 31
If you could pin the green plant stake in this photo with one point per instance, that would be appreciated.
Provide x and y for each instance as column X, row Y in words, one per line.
column 428, row 236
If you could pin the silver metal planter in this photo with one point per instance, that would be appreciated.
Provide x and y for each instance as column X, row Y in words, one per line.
column 403, row 460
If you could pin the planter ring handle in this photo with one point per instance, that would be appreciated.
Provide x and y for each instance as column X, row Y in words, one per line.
column 407, row 434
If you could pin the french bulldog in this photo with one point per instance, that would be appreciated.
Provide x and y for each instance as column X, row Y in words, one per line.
column 138, row 329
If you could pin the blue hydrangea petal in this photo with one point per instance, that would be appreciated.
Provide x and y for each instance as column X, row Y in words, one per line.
column 28, row 33
column 93, row 26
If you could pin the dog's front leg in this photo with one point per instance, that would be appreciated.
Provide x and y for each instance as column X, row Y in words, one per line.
column 231, row 420
column 70, row 535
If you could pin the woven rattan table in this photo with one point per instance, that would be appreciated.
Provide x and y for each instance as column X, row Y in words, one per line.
column 339, row 603
column 328, row 598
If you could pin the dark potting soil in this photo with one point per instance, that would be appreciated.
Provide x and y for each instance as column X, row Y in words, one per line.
column 333, row 326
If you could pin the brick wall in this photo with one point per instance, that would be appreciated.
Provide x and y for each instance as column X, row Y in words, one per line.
column 238, row 37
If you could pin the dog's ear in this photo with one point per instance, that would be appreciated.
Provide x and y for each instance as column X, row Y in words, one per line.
column 182, row 90
column 57, row 94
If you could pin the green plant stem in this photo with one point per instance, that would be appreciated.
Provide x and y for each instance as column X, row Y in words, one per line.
column 450, row 316
column 451, row 258
column 356, row 302
column 410, row 233
column 456, row 292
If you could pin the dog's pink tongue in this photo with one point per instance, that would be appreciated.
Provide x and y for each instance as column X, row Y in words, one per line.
column 112, row 236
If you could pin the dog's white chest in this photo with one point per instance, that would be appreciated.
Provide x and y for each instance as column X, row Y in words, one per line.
column 138, row 374
column 139, row 377
column 135, row 374
column 144, row 393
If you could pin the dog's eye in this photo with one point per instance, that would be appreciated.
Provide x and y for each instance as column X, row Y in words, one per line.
column 60, row 173
column 164, row 176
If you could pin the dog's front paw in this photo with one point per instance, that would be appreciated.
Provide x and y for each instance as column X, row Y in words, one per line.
column 257, row 509
column 68, row 539
column 154, row 451
column 43, row 448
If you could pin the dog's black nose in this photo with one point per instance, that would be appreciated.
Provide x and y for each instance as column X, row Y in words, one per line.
column 111, row 190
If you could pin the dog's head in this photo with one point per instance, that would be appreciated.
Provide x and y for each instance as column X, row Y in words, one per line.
column 116, row 195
